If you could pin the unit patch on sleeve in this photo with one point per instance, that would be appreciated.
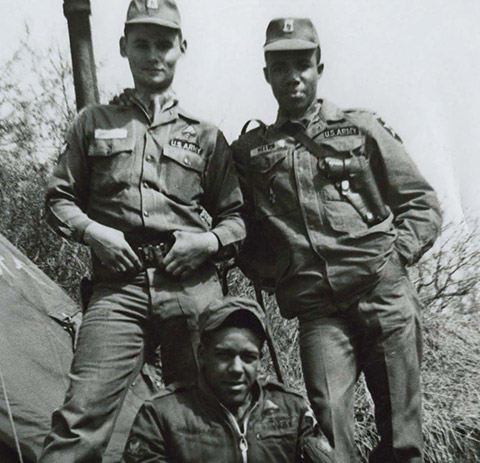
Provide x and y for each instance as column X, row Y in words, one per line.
column 341, row 132
column 186, row 145
column 389, row 129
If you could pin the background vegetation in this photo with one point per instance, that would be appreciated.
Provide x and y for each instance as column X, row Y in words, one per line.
column 36, row 105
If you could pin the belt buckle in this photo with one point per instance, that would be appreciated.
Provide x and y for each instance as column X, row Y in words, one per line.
column 152, row 255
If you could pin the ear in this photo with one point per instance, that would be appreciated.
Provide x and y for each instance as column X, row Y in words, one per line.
column 320, row 70
column 265, row 74
column 183, row 46
column 123, row 47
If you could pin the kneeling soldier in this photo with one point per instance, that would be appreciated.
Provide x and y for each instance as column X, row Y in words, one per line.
column 227, row 415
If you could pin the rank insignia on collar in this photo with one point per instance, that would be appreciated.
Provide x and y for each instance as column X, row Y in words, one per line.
column 288, row 25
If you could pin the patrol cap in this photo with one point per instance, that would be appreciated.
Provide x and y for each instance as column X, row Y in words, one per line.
column 218, row 311
column 291, row 34
column 160, row 12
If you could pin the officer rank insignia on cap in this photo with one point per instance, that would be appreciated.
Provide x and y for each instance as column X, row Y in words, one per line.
column 185, row 145
column 152, row 4
column 288, row 25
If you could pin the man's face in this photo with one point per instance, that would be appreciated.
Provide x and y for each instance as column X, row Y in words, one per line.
column 152, row 52
column 230, row 364
column 293, row 76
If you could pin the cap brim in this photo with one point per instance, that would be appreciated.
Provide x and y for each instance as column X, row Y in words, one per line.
column 290, row 44
column 218, row 321
column 155, row 21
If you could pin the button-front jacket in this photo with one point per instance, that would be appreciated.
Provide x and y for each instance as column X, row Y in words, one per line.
column 306, row 239
column 143, row 176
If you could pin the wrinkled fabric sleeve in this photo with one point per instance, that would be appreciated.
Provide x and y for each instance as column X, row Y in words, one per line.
column 223, row 198
column 312, row 445
column 67, row 191
column 146, row 441
column 414, row 203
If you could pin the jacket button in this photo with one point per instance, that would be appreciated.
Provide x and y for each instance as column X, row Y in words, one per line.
column 186, row 161
column 145, row 213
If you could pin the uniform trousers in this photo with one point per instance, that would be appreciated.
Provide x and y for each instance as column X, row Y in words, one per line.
column 380, row 335
column 121, row 317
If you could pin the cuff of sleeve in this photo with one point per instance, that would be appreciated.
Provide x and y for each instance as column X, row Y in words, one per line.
column 73, row 231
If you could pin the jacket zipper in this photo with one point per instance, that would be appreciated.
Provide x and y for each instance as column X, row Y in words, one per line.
column 242, row 435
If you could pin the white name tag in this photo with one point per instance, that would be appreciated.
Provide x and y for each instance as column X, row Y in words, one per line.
column 108, row 134
column 268, row 148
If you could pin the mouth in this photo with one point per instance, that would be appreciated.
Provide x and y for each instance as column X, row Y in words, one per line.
column 235, row 385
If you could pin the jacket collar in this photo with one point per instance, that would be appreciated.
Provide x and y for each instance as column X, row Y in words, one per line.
column 320, row 109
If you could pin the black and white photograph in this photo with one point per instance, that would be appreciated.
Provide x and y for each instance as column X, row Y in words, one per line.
column 240, row 231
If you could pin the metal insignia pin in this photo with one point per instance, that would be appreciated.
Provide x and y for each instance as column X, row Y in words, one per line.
column 288, row 25
column 152, row 4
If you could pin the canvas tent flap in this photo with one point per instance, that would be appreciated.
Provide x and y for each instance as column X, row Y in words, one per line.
column 36, row 350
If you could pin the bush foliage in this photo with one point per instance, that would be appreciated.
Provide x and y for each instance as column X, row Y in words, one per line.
column 34, row 113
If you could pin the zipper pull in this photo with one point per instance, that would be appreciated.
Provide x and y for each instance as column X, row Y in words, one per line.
column 244, row 448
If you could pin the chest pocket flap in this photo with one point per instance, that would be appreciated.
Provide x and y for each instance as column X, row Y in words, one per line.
column 185, row 158
column 103, row 147
column 266, row 161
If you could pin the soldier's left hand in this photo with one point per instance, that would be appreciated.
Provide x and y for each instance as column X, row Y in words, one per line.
column 189, row 251
column 123, row 99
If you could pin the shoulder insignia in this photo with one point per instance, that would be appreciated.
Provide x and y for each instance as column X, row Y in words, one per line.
column 389, row 129
column 275, row 386
column 172, row 389
column 135, row 448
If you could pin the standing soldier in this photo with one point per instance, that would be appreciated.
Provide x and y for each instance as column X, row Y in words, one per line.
column 336, row 209
column 152, row 191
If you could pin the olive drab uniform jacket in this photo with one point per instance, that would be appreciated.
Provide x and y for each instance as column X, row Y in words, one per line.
column 187, row 424
column 306, row 238
column 145, row 176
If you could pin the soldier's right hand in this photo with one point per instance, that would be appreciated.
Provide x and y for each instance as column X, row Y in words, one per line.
column 110, row 246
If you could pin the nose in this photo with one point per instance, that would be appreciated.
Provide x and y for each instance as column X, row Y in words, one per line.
column 236, row 365
column 293, row 76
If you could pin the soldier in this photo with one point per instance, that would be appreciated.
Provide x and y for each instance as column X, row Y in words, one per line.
column 336, row 209
column 152, row 190
column 227, row 416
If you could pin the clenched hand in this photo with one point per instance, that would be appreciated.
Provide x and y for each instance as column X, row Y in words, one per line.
column 110, row 246
column 189, row 251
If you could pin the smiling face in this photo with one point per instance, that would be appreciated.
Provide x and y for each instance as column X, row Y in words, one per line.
column 293, row 76
column 152, row 52
column 230, row 362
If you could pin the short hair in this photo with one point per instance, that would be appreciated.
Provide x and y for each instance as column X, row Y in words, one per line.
column 239, row 319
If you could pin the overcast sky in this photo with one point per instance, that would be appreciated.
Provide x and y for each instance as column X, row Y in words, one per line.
column 416, row 63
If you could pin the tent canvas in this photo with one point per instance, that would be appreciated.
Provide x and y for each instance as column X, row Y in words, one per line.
column 37, row 323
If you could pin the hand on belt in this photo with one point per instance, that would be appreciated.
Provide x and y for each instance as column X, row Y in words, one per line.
column 152, row 255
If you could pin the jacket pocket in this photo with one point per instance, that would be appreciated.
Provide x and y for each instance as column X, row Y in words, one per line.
column 343, row 218
column 181, row 173
column 273, row 183
column 112, row 163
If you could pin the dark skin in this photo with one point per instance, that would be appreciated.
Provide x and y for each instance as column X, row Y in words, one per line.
column 230, row 362
column 152, row 52
column 293, row 76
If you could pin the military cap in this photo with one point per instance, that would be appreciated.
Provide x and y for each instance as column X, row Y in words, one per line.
column 218, row 311
column 160, row 12
column 291, row 34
